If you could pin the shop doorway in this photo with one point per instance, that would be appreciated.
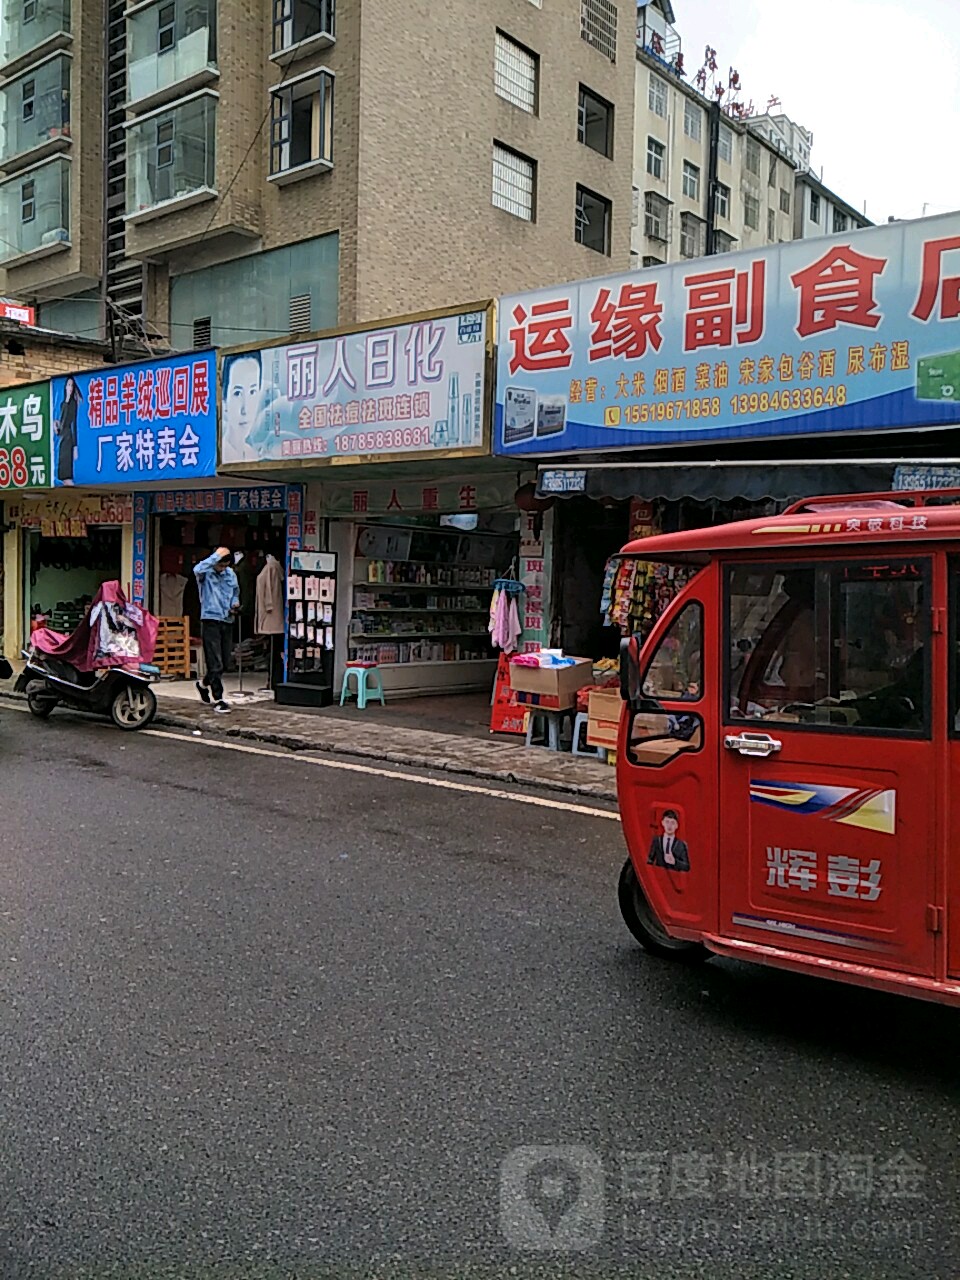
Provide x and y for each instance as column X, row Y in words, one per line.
column 62, row 575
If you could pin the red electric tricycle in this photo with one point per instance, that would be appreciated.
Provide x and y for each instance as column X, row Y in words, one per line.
column 789, row 752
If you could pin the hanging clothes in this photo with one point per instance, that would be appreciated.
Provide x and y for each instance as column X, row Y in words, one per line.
column 270, row 619
column 505, row 627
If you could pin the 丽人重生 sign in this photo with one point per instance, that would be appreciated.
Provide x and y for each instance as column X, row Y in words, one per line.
column 131, row 424
column 414, row 387
column 25, row 437
column 853, row 332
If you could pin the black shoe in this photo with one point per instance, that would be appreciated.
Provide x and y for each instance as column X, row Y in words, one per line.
column 222, row 708
column 203, row 692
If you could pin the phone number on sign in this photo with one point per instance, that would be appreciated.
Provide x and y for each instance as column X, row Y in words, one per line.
column 669, row 410
column 383, row 441
column 785, row 401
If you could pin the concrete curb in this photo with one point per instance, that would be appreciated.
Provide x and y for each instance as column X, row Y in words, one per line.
column 407, row 759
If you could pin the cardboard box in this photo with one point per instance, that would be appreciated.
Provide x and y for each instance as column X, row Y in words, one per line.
column 603, row 725
column 553, row 688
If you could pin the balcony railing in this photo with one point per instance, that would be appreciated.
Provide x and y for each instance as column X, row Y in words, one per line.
column 660, row 40
column 171, row 157
column 301, row 27
column 171, row 49
column 35, row 112
column 35, row 212
column 31, row 25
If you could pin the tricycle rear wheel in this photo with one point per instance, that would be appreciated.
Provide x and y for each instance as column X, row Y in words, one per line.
column 646, row 928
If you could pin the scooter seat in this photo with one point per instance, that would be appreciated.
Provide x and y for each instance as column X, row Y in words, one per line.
column 148, row 669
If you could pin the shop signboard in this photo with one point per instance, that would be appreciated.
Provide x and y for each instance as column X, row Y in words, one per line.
column 420, row 497
column 136, row 423
column 25, row 437
column 225, row 501
column 415, row 387
column 68, row 515
column 857, row 332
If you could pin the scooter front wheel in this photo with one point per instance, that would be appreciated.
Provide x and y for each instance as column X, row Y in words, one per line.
column 39, row 701
column 133, row 707
column 647, row 929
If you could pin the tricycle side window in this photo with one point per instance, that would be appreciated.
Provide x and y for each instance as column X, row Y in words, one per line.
column 844, row 646
column 673, row 674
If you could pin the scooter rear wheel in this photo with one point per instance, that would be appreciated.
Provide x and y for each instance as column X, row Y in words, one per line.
column 133, row 707
column 39, row 701
column 647, row 929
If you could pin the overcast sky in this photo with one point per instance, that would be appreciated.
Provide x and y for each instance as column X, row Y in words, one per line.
column 876, row 81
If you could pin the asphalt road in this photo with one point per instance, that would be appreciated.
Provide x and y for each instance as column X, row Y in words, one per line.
column 264, row 1018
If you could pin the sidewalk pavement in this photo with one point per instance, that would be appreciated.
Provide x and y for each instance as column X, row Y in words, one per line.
column 373, row 734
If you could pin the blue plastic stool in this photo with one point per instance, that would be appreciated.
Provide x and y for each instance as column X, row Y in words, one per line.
column 365, row 689
column 552, row 727
column 579, row 736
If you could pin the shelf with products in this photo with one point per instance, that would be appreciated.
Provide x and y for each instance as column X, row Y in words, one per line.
column 439, row 601
column 413, row 635
column 406, row 650
column 419, row 573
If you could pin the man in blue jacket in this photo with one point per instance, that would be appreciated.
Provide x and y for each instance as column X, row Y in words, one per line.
column 219, row 602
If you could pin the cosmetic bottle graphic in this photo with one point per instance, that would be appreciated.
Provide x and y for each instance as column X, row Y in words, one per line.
column 453, row 413
column 467, row 421
column 440, row 434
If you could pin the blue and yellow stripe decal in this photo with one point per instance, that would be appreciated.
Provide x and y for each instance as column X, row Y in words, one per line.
column 869, row 808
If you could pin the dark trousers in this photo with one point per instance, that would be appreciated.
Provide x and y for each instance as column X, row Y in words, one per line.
column 217, row 640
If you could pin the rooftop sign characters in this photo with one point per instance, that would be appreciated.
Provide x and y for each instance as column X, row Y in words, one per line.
column 857, row 332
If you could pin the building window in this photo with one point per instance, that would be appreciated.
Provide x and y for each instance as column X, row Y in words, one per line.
column 657, row 96
column 751, row 211
column 166, row 27
column 691, row 236
column 165, row 149
column 814, row 207
column 595, row 123
column 28, row 200
column 839, row 220
column 28, row 94
column 771, row 225
column 297, row 21
column 655, row 156
column 514, row 182
column 301, row 126
column 515, row 73
column 300, row 313
column 636, row 208
column 692, row 120
column 784, row 200
column 751, row 160
column 598, row 26
column 723, row 201
column 722, row 242
column 650, row 261
column 655, row 216
column 725, row 144
column 691, row 180
column 202, row 333
column 772, row 175
column 29, row 10
column 592, row 220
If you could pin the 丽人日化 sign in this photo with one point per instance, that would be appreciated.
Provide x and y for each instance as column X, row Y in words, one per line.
column 842, row 333
column 415, row 387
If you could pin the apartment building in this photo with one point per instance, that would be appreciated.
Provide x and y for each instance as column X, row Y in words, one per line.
column 821, row 212
column 752, row 199
column 227, row 170
column 791, row 139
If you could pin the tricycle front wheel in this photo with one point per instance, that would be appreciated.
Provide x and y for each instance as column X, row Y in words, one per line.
column 647, row 929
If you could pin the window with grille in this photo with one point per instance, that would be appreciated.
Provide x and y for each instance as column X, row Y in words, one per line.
column 656, row 153
column 839, row 220
column 515, row 73
column 300, row 313
column 784, row 200
column 655, row 216
column 514, row 182
column 723, row 201
column 723, row 242
column 691, row 180
column 692, row 120
column 202, row 332
column 691, row 236
column 592, row 220
column 725, row 144
column 657, row 96
column 751, row 161
column 595, row 123
column 771, row 225
column 598, row 26
column 814, row 207
column 751, row 211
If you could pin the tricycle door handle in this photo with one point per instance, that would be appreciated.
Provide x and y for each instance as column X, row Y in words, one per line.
column 752, row 744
